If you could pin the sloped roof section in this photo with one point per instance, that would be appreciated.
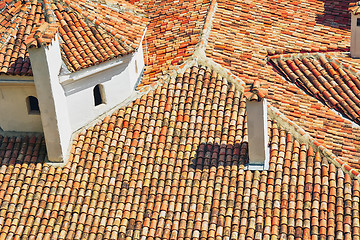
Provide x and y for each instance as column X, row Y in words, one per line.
column 172, row 35
column 171, row 166
column 246, row 33
column 25, row 149
column 324, row 79
column 90, row 32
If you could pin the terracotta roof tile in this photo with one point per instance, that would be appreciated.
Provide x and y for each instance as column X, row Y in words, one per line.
column 258, row 30
column 90, row 32
column 42, row 35
column 325, row 80
column 146, row 172
column 255, row 93
column 172, row 163
column 173, row 32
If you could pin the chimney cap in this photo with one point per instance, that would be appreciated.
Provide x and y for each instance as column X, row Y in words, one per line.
column 354, row 8
column 42, row 35
column 256, row 93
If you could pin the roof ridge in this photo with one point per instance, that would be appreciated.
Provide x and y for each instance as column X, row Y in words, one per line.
column 201, row 46
column 120, row 6
column 344, row 66
column 354, row 8
column 315, row 73
column 200, row 58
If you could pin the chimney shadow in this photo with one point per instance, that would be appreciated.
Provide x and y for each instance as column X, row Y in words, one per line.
column 214, row 155
column 22, row 149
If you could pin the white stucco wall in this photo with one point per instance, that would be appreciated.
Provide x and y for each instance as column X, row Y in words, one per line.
column 118, row 78
column 355, row 37
column 15, row 116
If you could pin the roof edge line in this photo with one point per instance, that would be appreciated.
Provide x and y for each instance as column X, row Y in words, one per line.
column 224, row 72
column 119, row 8
column 137, row 94
column 199, row 51
column 303, row 137
column 200, row 58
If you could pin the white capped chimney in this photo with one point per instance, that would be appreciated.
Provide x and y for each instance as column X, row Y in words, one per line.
column 256, row 107
column 46, row 63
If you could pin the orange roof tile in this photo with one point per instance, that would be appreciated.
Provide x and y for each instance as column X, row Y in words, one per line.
column 245, row 33
column 90, row 32
column 255, row 93
column 42, row 35
column 173, row 32
column 325, row 80
column 171, row 166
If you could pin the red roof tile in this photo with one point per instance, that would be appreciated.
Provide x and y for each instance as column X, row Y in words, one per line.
column 173, row 32
column 171, row 165
column 255, row 93
column 346, row 61
column 42, row 35
column 90, row 32
column 325, row 80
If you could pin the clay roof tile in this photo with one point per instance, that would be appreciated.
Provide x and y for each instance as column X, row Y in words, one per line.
column 87, row 37
column 256, row 93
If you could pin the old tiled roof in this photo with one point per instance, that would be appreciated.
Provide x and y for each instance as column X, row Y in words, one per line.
column 257, row 29
column 173, row 32
column 346, row 61
column 255, row 93
column 90, row 32
column 42, row 35
column 171, row 166
column 324, row 79
column 21, row 150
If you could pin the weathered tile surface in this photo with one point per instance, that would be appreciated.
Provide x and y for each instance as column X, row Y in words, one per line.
column 171, row 166
column 174, row 30
column 90, row 32
column 245, row 33
column 324, row 79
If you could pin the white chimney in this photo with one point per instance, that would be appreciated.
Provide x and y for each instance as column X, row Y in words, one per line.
column 354, row 9
column 45, row 57
column 256, row 107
